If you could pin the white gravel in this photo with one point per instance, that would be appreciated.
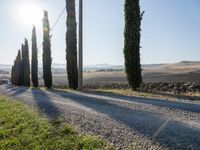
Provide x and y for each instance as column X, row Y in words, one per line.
column 122, row 120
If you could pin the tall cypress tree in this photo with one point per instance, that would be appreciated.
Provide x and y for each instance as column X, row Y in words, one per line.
column 19, row 67
column 17, row 70
column 47, row 60
column 23, row 64
column 34, row 64
column 26, row 64
column 71, row 42
column 132, row 36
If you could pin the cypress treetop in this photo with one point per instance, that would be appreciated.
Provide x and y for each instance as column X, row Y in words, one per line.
column 47, row 60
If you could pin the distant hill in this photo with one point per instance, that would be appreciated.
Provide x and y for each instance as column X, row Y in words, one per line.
column 180, row 67
column 103, row 66
column 5, row 66
column 54, row 65
column 144, row 66
column 4, row 72
column 188, row 71
column 167, row 66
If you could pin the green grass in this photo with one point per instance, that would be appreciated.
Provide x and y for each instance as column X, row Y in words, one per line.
column 22, row 128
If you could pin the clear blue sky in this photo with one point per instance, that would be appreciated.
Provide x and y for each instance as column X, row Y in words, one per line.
column 170, row 30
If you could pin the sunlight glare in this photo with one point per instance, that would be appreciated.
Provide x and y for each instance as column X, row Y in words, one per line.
column 30, row 13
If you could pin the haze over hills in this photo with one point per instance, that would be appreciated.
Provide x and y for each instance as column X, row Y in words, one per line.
column 192, row 65
column 5, row 66
column 57, row 65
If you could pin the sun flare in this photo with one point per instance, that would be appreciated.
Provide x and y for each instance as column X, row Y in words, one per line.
column 29, row 13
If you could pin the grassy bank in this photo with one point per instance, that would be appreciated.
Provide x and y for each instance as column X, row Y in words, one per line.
column 23, row 128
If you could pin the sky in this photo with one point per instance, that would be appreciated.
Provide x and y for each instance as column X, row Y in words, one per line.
column 170, row 30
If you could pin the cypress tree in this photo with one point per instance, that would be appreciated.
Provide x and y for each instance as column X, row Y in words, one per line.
column 23, row 64
column 132, row 36
column 26, row 64
column 17, row 70
column 34, row 64
column 47, row 60
column 71, row 42
column 19, row 63
column 27, row 77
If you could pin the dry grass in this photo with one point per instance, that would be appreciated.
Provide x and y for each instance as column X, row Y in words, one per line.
column 129, row 92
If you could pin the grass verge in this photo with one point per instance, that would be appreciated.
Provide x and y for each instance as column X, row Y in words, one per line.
column 129, row 92
column 23, row 128
column 126, row 92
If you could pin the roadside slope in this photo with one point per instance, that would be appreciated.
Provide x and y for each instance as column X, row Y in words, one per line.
column 23, row 128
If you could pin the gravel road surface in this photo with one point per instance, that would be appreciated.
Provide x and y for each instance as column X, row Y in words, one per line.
column 125, row 121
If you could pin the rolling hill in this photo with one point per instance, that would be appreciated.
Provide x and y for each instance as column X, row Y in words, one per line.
column 188, row 71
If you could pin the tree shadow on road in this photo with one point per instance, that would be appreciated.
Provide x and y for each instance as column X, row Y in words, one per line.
column 167, row 132
column 152, row 101
column 16, row 90
column 45, row 104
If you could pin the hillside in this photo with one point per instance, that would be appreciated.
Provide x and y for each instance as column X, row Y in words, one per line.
column 180, row 67
column 188, row 71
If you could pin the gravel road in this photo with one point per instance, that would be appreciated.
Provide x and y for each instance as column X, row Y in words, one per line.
column 125, row 121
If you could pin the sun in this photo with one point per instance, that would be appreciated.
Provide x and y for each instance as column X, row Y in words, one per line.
column 29, row 12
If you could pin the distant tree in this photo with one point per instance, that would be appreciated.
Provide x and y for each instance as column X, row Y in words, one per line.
column 47, row 60
column 34, row 64
column 71, row 45
column 132, row 35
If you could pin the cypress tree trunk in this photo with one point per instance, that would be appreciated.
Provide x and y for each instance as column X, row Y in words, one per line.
column 26, row 65
column 34, row 71
column 133, row 19
column 71, row 42
column 47, row 60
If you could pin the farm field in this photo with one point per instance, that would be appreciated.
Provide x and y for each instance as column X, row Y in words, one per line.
column 186, row 71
